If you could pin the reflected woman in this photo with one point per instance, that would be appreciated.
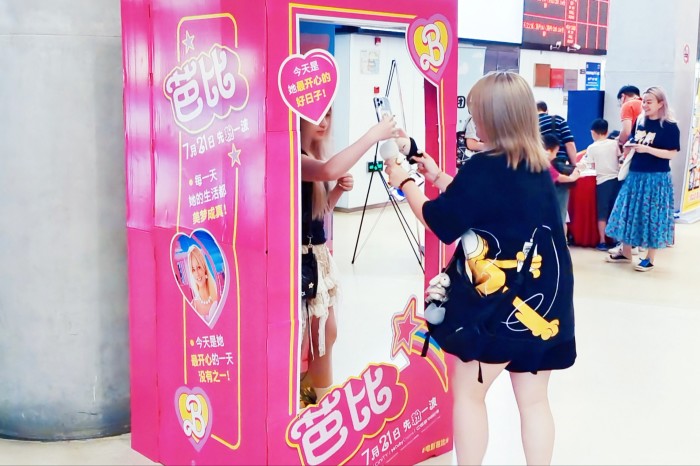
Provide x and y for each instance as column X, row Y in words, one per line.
column 205, row 297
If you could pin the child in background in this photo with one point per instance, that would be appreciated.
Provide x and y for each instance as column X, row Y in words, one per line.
column 603, row 155
column 551, row 145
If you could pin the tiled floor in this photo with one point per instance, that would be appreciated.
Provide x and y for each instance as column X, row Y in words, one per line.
column 631, row 398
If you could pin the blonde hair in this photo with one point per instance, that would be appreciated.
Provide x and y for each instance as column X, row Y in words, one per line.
column 195, row 256
column 318, row 149
column 502, row 104
column 665, row 113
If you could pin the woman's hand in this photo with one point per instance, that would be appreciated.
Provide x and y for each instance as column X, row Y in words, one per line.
column 641, row 148
column 385, row 129
column 346, row 182
column 427, row 166
column 395, row 172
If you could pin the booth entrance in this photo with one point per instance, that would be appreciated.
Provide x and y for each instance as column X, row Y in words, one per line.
column 214, row 172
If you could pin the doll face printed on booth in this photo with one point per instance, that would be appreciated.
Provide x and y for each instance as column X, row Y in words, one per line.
column 200, row 273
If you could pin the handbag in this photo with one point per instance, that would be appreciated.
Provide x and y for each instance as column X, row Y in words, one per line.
column 563, row 166
column 309, row 270
column 625, row 167
column 469, row 328
column 309, row 275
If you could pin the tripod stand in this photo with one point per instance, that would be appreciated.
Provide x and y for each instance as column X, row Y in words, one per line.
column 394, row 203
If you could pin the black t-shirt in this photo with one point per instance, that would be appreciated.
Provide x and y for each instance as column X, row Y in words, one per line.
column 653, row 134
column 504, row 207
column 313, row 228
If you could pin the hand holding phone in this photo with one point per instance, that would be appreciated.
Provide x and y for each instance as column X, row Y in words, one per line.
column 382, row 107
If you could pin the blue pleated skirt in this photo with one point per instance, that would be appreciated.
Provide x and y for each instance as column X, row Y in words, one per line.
column 643, row 211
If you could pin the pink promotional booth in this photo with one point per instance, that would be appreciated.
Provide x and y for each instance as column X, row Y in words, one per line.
column 214, row 91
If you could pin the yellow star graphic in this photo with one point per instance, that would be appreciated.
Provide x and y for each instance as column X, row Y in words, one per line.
column 188, row 42
column 235, row 155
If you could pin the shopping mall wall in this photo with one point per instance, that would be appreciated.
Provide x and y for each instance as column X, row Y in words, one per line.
column 63, row 296
column 654, row 43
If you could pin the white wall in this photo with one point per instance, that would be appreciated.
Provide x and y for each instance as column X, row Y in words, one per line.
column 354, row 112
column 469, row 70
column 557, row 98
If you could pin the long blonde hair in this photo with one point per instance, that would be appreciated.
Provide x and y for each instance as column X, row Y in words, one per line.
column 195, row 256
column 318, row 149
column 503, row 107
column 665, row 113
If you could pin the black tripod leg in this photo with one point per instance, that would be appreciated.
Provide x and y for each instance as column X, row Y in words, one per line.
column 362, row 219
column 404, row 223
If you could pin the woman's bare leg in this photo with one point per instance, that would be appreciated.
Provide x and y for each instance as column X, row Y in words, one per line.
column 536, row 421
column 651, row 255
column 471, row 425
column 321, row 367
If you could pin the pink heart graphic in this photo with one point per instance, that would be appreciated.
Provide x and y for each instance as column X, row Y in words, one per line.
column 201, row 273
column 308, row 83
column 429, row 44
column 194, row 413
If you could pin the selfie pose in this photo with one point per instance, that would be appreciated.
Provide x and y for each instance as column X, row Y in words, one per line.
column 318, row 168
column 502, row 205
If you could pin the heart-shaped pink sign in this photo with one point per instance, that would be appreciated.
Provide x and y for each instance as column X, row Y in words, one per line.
column 429, row 44
column 194, row 412
column 308, row 83
column 200, row 271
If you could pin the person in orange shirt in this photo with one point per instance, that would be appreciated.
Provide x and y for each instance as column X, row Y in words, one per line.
column 631, row 108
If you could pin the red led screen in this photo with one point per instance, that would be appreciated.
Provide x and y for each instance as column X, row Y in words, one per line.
column 566, row 25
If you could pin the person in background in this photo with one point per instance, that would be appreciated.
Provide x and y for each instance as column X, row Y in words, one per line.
column 551, row 145
column 603, row 155
column 557, row 125
column 565, row 161
column 505, row 191
column 318, row 169
column 643, row 211
column 630, row 109
column 472, row 141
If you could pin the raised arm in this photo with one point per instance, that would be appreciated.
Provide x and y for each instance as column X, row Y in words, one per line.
column 334, row 167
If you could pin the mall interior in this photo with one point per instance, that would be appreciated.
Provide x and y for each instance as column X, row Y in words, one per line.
column 93, row 338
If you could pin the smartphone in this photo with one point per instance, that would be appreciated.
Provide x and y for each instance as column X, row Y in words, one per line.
column 382, row 107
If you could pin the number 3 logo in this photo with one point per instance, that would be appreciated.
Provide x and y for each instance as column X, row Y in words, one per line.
column 429, row 44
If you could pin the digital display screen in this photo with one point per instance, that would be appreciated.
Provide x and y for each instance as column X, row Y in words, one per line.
column 577, row 26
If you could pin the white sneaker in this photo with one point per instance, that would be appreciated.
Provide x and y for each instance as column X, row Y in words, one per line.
column 618, row 250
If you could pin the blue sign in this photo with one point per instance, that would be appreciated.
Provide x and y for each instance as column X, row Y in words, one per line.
column 592, row 76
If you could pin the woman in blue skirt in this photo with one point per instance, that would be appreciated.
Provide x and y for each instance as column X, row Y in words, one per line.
column 643, row 211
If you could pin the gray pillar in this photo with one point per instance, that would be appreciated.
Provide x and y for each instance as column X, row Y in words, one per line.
column 63, row 294
column 646, row 42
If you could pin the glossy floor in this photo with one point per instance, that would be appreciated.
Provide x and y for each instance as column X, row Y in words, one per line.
column 631, row 398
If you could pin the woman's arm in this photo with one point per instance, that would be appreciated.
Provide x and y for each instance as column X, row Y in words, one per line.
column 656, row 152
column 328, row 170
column 475, row 145
column 398, row 177
column 345, row 183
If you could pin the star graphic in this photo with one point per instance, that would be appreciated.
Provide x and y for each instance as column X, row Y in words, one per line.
column 404, row 325
column 188, row 42
column 235, row 155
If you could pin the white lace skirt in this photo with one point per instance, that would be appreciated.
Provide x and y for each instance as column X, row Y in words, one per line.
column 327, row 295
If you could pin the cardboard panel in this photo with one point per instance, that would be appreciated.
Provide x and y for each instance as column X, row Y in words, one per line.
column 214, row 264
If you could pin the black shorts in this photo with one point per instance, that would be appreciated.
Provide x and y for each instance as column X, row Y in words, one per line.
column 605, row 194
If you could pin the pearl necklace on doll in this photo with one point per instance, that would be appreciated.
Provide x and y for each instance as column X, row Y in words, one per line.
column 205, row 302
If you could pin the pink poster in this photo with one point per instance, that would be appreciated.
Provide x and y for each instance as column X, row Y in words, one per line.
column 211, row 118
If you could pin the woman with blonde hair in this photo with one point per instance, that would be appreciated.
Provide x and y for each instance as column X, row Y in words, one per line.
column 205, row 296
column 318, row 169
column 643, row 211
column 502, row 198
